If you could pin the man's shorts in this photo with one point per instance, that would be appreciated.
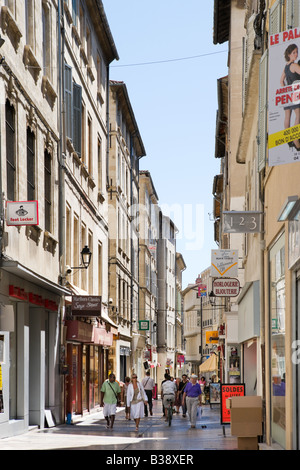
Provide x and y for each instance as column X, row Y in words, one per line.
column 109, row 410
column 167, row 398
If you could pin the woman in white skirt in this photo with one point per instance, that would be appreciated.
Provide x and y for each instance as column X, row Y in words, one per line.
column 136, row 397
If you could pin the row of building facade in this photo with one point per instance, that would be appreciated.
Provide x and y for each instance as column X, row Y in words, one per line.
column 69, row 142
column 257, row 186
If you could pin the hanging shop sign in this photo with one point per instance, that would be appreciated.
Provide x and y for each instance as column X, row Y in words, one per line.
column 211, row 337
column 86, row 305
column 226, row 287
column 180, row 358
column 224, row 263
column 242, row 221
column 22, row 213
column 202, row 290
column 283, row 93
column 144, row 325
column 228, row 391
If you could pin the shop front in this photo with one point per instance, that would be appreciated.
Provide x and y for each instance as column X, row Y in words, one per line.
column 89, row 336
column 30, row 312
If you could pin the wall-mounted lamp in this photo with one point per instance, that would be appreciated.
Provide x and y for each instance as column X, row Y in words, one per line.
column 86, row 256
column 287, row 208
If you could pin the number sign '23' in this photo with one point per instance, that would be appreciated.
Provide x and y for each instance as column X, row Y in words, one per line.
column 242, row 222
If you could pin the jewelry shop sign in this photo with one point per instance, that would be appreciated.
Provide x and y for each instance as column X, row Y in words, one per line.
column 22, row 213
column 224, row 263
column 226, row 287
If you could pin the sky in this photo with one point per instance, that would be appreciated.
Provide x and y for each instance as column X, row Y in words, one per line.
column 170, row 66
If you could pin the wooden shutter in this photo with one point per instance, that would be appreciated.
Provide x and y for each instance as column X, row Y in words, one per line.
column 68, row 102
column 77, row 94
column 275, row 17
column 292, row 14
column 262, row 110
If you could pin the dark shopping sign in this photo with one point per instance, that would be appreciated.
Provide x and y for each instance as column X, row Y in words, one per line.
column 86, row 305
column 242, row 222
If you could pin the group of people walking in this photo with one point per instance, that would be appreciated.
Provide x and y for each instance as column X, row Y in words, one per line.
column 137, row 397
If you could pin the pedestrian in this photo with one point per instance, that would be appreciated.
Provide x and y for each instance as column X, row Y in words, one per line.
column 182, row 386
column 110, row 398
column 136, row 397
column 192, row 394
column 202, row 383
column 177, row 397
column 168, row 392
column 148, row 385
column 127, row 408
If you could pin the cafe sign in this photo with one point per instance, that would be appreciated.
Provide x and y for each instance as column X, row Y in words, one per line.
column 86, row 305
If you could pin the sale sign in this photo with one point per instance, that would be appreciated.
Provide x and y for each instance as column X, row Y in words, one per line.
column 228, row 391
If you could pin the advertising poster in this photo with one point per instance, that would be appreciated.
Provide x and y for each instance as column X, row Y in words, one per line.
column 228, row 391
column 284, row 97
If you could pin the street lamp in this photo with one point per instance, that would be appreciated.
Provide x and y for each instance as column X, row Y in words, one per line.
column 86, row 256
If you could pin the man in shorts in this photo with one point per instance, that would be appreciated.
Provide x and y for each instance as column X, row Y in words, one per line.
column 168, row 391
column 110, row 397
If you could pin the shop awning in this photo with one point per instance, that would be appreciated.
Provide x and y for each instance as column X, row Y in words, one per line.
column 17, row 269
column 210, row 365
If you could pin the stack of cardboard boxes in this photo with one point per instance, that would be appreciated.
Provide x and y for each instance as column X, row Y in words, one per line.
column 246, row 420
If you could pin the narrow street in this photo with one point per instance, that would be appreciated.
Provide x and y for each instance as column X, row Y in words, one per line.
column 90, row 433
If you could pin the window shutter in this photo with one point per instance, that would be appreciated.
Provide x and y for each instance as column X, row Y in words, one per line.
column 275, row 17
column 68, row 102
column 262, row 111
column 292, row 9
column 77, row 94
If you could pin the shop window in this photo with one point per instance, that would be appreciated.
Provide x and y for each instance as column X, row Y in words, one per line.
column 277, row 329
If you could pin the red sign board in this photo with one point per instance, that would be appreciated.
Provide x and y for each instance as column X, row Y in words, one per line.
column 228, row 391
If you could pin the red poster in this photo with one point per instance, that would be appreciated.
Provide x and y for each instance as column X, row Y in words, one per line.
column 227, row 391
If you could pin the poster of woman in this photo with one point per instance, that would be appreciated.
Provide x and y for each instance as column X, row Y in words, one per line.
column 284, row 97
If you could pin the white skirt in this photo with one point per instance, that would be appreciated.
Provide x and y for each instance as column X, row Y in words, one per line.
column 137, row 410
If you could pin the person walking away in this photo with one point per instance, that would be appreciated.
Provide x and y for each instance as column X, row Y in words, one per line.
column 182, row 386
column 148, row 385
column 168, row 392
column 110, row 397
column 192, row 393
column 136, row 397
column 124, row 399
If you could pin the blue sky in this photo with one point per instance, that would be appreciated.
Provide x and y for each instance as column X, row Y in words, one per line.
column 175, row 104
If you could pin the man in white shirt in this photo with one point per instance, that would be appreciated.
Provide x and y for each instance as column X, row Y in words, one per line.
column 168, row 392
column 148, row 384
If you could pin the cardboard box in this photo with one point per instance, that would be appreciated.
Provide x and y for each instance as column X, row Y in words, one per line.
column 246, row 416
column 247, row 443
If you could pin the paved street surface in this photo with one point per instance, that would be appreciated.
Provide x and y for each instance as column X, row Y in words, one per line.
column 90, row 433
